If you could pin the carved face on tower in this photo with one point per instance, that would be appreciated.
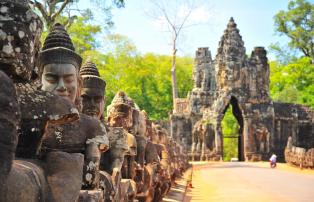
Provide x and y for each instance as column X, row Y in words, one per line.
column 92, row 92
column 59, row 64
column 20, row 30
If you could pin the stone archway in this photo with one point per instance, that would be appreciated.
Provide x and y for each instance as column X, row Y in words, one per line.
column 238, row 114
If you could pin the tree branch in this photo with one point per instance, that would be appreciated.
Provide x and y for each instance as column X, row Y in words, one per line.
column 184, row 20
column 64, row 4
column 42, row 10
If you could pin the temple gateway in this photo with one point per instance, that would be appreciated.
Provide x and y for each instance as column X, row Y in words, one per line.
column 233, row 78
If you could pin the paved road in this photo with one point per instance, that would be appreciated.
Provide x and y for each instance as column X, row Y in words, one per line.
column 239, row 181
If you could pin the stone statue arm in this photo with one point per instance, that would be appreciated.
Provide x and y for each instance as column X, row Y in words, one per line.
column 97, row 142
column 97, row 134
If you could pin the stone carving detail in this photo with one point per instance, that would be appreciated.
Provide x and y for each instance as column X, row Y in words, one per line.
column 25, row 180
column 67, row 151
column 59, row 68
column 20, row 31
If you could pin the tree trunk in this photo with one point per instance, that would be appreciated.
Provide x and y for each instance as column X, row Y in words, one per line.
column 173, row 75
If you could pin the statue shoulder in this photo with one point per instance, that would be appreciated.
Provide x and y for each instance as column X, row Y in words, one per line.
column 91, row 126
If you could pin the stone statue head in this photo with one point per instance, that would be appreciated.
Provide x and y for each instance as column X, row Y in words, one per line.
column 59, row 64
column 92, row 92
column 20, row 30
column 120, row 112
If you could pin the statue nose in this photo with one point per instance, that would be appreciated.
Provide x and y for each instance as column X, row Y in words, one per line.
column 61, row 86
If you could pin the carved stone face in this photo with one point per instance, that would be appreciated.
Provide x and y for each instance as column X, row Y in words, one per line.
column 92, row 105
column 120, row 116
column 61, row 79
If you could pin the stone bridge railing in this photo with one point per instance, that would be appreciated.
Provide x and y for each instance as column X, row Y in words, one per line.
column 299, row 156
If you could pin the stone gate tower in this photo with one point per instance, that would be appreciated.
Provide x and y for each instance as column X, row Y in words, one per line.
column 243, row 83
column 233, row 78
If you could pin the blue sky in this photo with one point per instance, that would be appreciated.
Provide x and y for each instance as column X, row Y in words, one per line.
column 253, row 17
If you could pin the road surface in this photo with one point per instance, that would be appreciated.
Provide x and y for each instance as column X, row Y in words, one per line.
column 239, row 181
column 249, row 182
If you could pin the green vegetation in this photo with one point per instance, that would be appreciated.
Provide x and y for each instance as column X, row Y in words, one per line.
column 297, row 23
column 292, row 76
column 293, row 83
column 145, row 78
column 51, row 11
column 230, row 127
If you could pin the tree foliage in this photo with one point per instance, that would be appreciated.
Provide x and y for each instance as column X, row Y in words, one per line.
column 51, row 10
column 144, row 78
column 83, row 34
column 294, row 82
column 297, row 23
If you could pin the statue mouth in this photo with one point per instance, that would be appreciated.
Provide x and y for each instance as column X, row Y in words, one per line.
column 63, row 94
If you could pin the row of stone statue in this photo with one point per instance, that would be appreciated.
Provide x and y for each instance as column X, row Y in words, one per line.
column 55, row 144
column 298, row 156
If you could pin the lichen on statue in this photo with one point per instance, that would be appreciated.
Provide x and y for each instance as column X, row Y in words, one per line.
column 92, row 94
column 59, row 68
column 20, row 32
column 25, row 111
column 120, row 114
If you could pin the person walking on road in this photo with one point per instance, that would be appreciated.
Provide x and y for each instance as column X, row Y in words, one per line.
column 273, row 160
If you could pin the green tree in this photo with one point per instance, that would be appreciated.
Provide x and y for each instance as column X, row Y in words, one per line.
column 144, row 78
column 82, row 33
column 297, row 23
column 293, row 83
column 51, row 10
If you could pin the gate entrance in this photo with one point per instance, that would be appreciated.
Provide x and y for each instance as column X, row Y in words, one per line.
column 232, row 131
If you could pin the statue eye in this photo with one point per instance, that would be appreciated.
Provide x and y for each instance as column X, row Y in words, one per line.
column 51, row 78
column 69, row 79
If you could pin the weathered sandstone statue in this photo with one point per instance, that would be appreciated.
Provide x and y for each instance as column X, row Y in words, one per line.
column 93, row 105
column 160, row 141
column 120, row 115
column 25, row 112
column 59, row 67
